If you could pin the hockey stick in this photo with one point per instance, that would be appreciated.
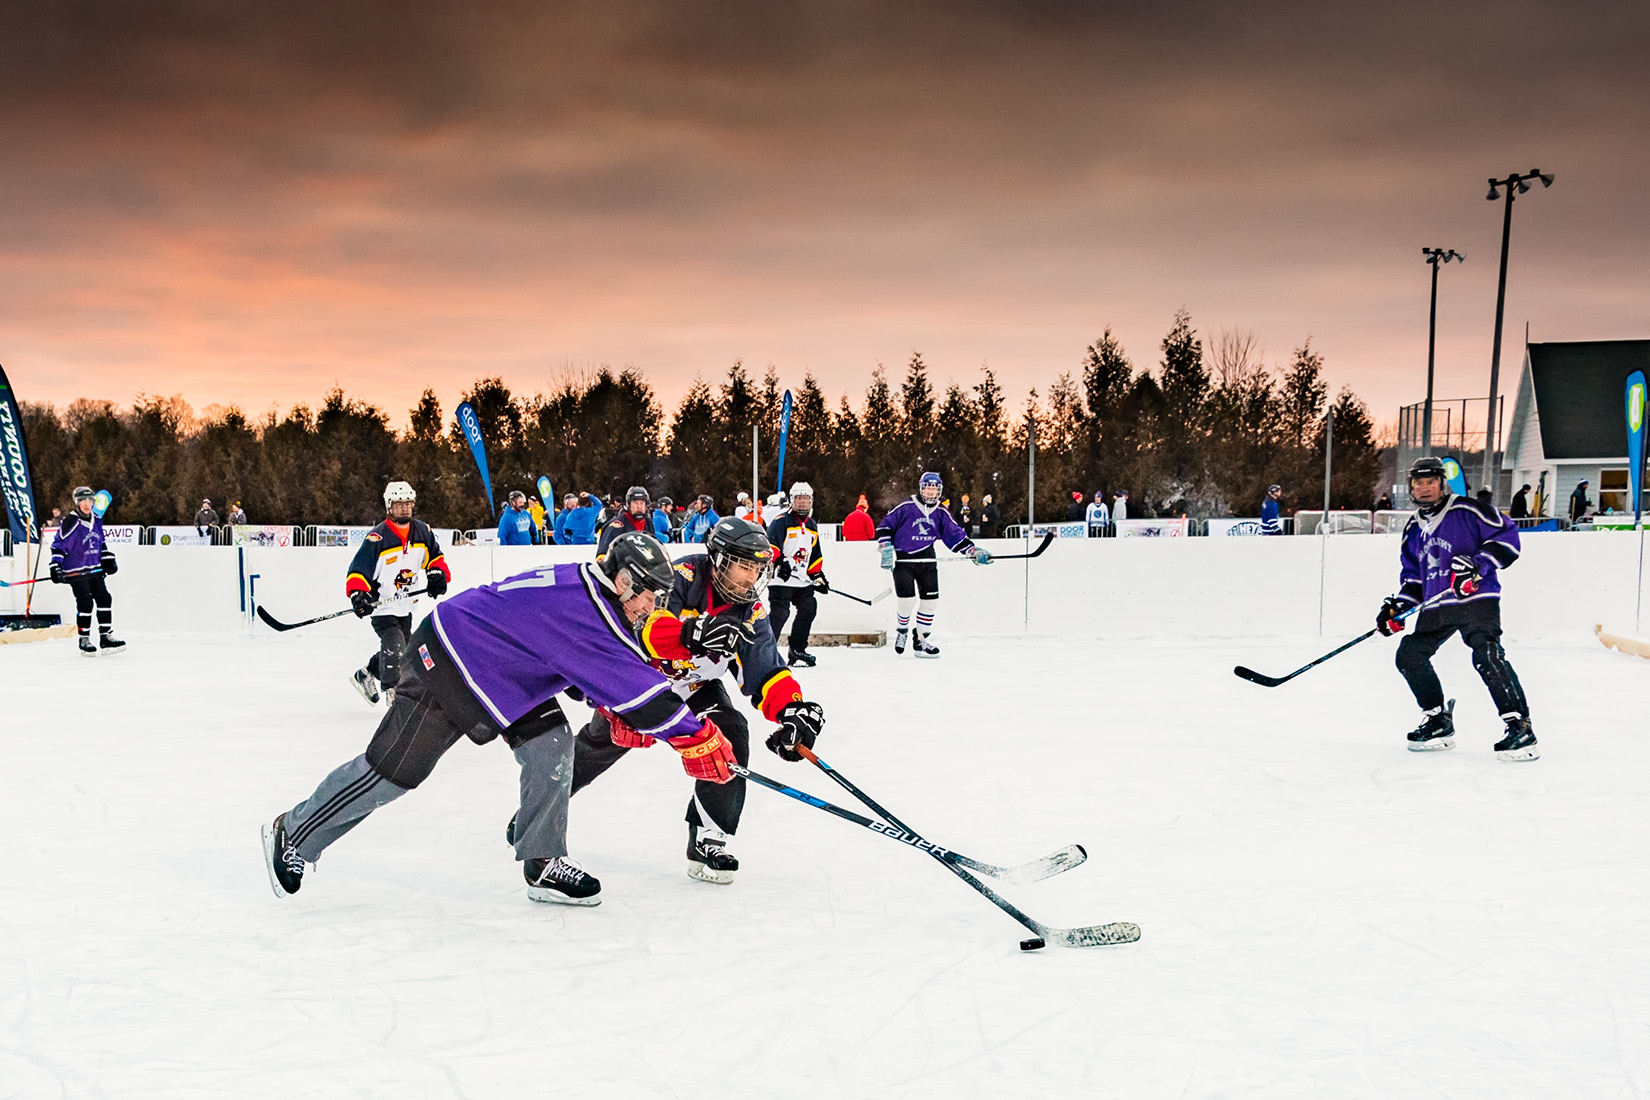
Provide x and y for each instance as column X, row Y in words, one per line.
column 1091, row 936
column 1048, row 537
column 1273, row 681
column 872, row 602
column 37, row 580
column 276, row 624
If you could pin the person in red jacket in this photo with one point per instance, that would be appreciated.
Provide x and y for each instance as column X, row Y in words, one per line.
column 859, row 526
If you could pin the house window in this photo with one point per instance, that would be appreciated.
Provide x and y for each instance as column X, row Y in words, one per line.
column 1612, row 490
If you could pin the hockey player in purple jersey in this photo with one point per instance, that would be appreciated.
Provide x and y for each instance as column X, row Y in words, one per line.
column 907, row 536
column 81, row 561
column 490, row 662
column 1454, row 549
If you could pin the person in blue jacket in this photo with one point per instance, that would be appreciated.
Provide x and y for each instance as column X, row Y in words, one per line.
column 580, row 521
column 661, row 520
column 1269, row 522
column 516, row 526
column 701, row 520
column 558, row 524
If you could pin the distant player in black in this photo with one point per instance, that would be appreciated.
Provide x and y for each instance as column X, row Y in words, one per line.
column 395, row 558
column 799, row 573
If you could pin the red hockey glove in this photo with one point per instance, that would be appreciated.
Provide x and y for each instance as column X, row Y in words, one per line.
column 623, row 733
column 706, row 754
column 1386, row 620
column 1464, row 578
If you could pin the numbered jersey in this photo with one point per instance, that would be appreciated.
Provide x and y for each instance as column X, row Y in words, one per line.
column 393, row 559
column 797, row 538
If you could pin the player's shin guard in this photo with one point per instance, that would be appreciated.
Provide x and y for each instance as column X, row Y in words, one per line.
column 1414, row 661
column 339, row 804
column 1497, row 673
column 925, row 616
column 904, row 606
column 546, row 785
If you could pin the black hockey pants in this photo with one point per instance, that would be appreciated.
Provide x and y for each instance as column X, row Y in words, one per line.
column 780, row 600
column 722, row 803
column 1480, row 625
column 393, row 631
column 91, row 592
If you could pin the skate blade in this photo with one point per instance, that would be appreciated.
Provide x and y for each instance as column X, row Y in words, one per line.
column 269, row 861
column 709, row 874
column 556, row 897
column 1437, row 744
column 928, row 656
column 111, row 651
column 1513, row 756
column 89, row 653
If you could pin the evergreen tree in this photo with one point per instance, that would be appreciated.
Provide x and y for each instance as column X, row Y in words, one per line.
column 696, row 442
column 916, row 418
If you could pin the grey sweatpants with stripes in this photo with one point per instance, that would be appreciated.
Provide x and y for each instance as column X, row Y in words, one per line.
column 414, row 734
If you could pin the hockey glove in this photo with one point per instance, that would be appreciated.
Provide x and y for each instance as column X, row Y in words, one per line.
column 706, row 754
column 106, row 562
column 799, row 724
column 783, row 569
column 821, row 585
column 435, row 583
column 624, row 734
column 1464, row 578
column 981, row 555
column 716, row 635
column 887, row 557
column 1386, row 620
column 362, row 602
column 57, row 573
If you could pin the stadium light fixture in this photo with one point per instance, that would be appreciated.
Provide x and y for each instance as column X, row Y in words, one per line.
column 1516, row 185
column 1434, row 257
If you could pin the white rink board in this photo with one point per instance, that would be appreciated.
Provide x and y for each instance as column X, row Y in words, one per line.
column 1097, row 588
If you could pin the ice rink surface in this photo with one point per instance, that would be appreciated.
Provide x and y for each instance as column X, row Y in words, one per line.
column 1325, row 914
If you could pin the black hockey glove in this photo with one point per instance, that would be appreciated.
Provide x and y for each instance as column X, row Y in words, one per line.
column 1464, row 577
column 435, row 583
column 821, row 585
column 783, row 569
column 716, row 635
column 799, row 724
column 362, row 603
column 1386, row 620
column 106, row 561
column 57, row 573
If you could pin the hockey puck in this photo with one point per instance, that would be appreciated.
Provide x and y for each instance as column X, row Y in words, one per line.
column 1033, row 943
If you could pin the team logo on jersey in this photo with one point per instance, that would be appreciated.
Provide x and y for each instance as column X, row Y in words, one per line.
column 374, row 536
column 424, row 655
column 404, row 580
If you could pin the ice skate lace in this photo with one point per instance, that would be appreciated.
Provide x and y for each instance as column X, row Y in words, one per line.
column 562, row 870
column 293, row 861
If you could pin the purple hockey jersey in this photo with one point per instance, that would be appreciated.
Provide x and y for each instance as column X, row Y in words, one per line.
column 1462, row 526
column 913, row 527
column 529, row 637
column 78, row 547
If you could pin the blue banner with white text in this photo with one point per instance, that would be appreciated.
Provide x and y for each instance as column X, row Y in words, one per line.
column 472, row 432
column 1635, row 440
column 784, row 432
column 16, row 481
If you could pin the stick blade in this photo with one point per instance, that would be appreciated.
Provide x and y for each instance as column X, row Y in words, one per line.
column 1258, row 677
column 1095, row 935
column 1055, row 863
column 271, row 622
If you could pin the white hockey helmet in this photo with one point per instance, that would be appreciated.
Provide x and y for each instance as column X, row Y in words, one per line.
column 805, row 491
column 398, row 490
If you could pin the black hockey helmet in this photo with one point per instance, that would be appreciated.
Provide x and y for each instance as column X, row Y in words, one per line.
column 636, row 492
column 643, row 558
column 1427, row 466
column 738, row 540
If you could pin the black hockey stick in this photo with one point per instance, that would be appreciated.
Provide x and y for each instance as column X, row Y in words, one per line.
column 1091, row 936
column 276, row 624
column 872, row 602
column 1273, row 681
column 1048, row 537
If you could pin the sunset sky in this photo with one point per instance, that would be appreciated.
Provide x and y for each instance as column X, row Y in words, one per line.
column 250, row 202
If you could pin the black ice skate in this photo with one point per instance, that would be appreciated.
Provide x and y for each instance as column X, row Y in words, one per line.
column 88, row 648
column 899, row 639
column 365, row 683
column 922, row 647
column 1519, row 743
column 560, row 881
column 108, row 643
column 708, row 857
column 1437, row 732
column 802, row 657
column 281, row 860
column 510, row 831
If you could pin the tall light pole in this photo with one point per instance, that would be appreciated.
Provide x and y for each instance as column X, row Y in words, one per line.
column 1515, row 185
column 1435, row 256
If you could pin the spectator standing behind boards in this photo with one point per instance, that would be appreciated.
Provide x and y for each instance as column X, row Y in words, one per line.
column 558, row 525
column 661, row 519
column 237, row 516
column 206, row 517
column 1579, row 502
column 1270, row 524
column 1098, row 516
column 991, row 520
column 515, row 525
column 965, row 516
column 1120, row 505
column 1521, row 504
column 536, row 507
column 581, row 522
column 697, row 526
column 1074, row 509
column 858, row 526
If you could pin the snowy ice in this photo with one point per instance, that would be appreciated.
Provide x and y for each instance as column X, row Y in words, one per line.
column 1325, row 914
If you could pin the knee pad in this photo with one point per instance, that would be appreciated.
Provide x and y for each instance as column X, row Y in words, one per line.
column 1487, row 656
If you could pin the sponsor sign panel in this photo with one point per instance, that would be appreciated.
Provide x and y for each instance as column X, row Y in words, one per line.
column 1152, row 528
